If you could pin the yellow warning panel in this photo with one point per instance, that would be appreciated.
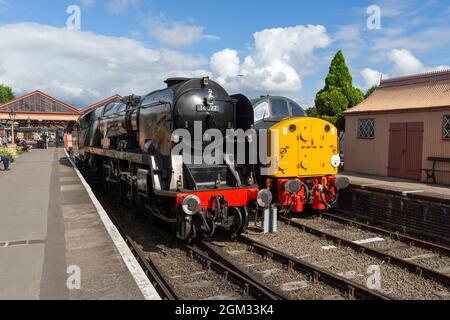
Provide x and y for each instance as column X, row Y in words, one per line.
column 308, row 147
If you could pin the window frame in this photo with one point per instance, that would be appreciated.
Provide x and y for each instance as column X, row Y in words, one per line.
column 446, row 127
column 358, row 132
column 289, row 110
column 294, row 104
column 267, row 109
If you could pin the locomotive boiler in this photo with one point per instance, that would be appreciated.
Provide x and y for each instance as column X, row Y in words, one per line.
column 128, row 146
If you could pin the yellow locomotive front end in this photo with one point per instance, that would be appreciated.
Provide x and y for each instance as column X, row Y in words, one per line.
column 305, row 163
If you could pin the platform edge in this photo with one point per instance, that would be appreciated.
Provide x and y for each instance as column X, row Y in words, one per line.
column 142, row 281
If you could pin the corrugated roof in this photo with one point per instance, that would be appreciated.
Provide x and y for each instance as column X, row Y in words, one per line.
column 423, row 91
column 3, row 107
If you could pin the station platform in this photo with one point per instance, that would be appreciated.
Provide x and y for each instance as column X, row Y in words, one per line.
column 402, row 187
column 413, row 207
column 54, row 242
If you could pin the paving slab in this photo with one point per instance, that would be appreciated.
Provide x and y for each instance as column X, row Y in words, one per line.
column 48, row 225
column 401, row 187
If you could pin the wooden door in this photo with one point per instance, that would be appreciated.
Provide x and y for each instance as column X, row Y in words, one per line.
column 414, row 148
column 405, row 150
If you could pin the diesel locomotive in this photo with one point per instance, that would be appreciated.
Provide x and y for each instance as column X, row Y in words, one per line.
column 306, row 159
column 127, row 146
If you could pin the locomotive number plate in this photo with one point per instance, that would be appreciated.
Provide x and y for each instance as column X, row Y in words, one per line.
column 203, row 108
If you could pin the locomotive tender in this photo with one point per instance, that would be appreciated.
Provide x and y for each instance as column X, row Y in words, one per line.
column 127, row 146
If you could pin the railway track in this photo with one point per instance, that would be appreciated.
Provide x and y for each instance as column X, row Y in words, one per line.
column 250, row 283
column 156, row 277
column 203, row 254
column 384, row 255
column 315, row 282
column 410, row 240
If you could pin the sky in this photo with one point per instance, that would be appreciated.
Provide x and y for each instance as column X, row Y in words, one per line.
column 253, row 47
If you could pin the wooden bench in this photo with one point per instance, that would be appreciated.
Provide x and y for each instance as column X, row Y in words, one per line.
column 431, row 173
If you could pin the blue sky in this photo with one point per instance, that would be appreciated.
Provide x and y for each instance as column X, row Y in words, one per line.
column 281, row 47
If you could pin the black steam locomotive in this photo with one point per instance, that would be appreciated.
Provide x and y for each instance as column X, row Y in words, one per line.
column 127, row 147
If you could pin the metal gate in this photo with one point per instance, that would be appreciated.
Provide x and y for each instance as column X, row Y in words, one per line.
column 405, row 150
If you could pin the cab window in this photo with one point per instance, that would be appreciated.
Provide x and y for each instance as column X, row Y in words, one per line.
column 109, row 108
column 262, row 111
column 121, row 107
column 297, row 111
column 280, row 108
column 114, row 107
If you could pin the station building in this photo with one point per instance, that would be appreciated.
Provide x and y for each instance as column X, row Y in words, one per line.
column 37, row 112
column 399, row 127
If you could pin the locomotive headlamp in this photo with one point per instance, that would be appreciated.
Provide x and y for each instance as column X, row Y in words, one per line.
column 264, row 198
column 176, row 138
column 342, row 183
column 191, row 205
column 293, row 186
column 205, row 81
column 335, row 161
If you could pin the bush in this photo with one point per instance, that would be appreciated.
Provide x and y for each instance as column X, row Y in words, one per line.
column 9, row 154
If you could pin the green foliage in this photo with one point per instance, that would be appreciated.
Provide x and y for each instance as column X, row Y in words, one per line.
column 8, row 153
column 370, row 91
column 6, row 94
column 338, row 94
column 312, row 112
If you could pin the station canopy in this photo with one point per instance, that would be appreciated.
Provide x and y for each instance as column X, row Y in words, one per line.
column 38, row 109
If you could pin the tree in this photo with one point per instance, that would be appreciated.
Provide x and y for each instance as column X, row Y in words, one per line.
column 370, row 91
column 338, row 95
column 6, row 94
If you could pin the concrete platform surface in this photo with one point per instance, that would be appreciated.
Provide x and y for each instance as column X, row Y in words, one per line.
column 53, row 243
column 412, row 189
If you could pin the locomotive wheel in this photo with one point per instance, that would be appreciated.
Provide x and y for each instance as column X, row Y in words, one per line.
column 241, row 221
column 208, row 227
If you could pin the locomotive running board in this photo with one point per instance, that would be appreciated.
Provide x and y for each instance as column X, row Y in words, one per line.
column 120, row 155
column 142, row 159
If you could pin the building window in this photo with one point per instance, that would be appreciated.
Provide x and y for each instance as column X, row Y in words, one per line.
column 366, row 128
column 447, row 127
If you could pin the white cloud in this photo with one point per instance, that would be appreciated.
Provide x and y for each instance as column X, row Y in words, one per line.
column 120, row 6
column 178, row 34
column 87, row 3
column 83, row 67
column 280, row 58
column 371, row 77
column 225, row 64
column 404, row 63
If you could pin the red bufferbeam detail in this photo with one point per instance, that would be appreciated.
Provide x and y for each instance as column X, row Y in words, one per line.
column 235, row 197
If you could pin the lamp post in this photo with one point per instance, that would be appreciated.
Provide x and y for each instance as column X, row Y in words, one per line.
column 12, row 116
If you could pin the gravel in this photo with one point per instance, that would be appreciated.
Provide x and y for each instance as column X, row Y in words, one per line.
column 423, row 257
column 398, row 283
column 188, row 277
column 296, row 285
